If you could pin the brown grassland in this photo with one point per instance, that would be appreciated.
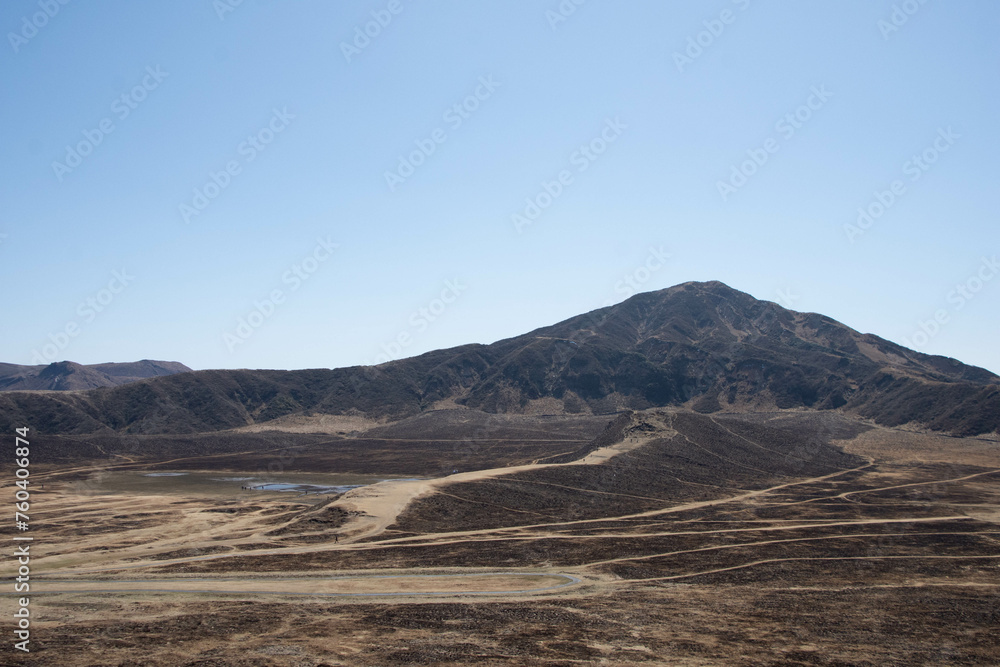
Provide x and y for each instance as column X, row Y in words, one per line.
column 676, row 538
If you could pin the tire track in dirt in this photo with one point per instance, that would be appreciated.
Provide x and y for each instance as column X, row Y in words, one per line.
column 720, row 547
column 845, row 494
column 217, row 585
column 804, row 558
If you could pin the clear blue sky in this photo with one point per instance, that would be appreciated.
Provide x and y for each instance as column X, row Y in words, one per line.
column 329, row 122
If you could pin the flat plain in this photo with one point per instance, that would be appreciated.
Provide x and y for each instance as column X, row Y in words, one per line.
column 661, row 536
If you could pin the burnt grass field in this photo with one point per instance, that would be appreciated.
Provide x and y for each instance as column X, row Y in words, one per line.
column 718, row 539
column 429, row 444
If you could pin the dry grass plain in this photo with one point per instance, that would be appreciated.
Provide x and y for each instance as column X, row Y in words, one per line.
column 786, row 538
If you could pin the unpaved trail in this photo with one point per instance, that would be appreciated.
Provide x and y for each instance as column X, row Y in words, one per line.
column 809, row 558
column 377, row 506
column 903, row 486
column 430, row 539
column 673, row 509
column 383, row 505
column 721, row 547
column 360, row 585
column 396, row 500
column 446, row 539
column 845, row 494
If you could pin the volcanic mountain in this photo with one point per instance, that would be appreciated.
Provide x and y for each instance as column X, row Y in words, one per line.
column 70, row 376
column 704, row 345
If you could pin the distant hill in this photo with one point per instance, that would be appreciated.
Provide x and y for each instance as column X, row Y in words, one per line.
column 70, row 376
column 701, row 345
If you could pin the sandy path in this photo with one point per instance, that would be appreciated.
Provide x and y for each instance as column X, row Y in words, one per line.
column 380, row 504
column 650, row 513
column 527, row 537
column 371, row 585
column 394, row 502
column 816, row 558
column 721, row 547
column 421, row 541
column 896, row 486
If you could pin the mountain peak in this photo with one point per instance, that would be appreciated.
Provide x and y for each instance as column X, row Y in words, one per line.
column 702, row 345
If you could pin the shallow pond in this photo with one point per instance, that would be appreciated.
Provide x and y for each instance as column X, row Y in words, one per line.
column 227, row 483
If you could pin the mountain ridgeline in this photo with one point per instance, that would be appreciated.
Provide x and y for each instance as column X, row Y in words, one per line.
column 70, row 376
column 701, row 345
